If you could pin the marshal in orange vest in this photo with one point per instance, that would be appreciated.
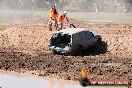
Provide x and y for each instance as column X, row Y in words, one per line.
column 53, row 13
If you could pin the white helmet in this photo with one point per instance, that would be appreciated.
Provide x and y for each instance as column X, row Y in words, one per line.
column 64, row 11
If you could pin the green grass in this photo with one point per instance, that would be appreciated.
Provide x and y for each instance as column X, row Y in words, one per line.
column 3, row 27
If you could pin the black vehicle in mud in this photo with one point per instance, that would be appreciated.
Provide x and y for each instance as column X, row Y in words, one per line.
column 73, row 40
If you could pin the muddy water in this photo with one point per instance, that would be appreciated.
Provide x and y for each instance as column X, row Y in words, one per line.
column 24, row 81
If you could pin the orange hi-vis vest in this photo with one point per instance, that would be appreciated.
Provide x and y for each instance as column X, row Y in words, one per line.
column 53, row 15
column 62, row 18
column 84, row 73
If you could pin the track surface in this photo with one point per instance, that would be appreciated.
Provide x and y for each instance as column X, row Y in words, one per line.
column 23, row 48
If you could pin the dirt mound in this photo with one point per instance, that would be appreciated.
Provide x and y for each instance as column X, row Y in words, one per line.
column 33, row 36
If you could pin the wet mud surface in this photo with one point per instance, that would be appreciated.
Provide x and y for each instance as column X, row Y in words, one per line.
column 24, row 48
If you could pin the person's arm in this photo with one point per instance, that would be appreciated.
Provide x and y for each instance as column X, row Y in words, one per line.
column 50, row 13
column 55, row 11
column 67, row 19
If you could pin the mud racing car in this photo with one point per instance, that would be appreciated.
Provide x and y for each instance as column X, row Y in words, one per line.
column 73, row 40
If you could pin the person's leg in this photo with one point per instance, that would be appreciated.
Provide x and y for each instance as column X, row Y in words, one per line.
column 50, row 25
column 56, row 25
column 61, row 26
column 55, row 21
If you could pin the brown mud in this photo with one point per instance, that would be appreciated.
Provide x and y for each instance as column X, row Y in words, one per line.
column 24, row 48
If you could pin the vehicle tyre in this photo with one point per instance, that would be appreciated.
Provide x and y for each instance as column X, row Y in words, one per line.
column 84, row 81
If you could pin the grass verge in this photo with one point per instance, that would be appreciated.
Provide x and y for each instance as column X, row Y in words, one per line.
column 3, row 27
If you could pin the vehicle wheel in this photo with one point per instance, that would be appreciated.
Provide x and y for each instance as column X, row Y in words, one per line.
column 84, row 81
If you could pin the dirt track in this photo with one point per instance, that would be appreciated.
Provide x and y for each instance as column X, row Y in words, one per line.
column 24, row 48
